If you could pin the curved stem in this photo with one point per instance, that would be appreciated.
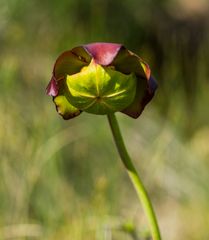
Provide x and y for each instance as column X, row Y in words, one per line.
column 140, row 189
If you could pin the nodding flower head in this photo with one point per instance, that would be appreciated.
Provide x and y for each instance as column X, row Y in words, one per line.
column 100, row 78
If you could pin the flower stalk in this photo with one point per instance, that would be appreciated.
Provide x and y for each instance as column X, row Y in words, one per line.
column 135, row 178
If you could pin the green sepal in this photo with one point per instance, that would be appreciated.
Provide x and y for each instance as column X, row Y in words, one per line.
column 63, row 106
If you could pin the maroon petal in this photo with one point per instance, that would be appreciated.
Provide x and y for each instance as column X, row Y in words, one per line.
column 71, row 62
column 144, row 94
column 149, row 93
column 103, row 53
column 52, row 88
column 127, row 62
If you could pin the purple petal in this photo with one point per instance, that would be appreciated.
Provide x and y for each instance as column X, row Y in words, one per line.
column 52, row 88
column 103, row 53
column 152, row 84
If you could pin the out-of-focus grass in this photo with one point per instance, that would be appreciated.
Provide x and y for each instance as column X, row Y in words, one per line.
column 63, row 179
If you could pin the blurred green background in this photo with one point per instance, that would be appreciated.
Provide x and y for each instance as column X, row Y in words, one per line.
column 63, row 179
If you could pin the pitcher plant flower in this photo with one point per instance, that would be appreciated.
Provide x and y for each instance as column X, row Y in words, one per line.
column 104, row 78
column 101, row 78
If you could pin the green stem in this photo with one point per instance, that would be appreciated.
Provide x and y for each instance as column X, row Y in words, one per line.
column 140, row 189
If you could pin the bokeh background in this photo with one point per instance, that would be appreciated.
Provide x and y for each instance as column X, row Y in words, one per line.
column 63, row 179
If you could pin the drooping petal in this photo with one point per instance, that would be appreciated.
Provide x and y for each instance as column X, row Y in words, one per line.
column 52, row 88
column 152, row 85
column 144, row 94
column 127, row 62
column 103, row 53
